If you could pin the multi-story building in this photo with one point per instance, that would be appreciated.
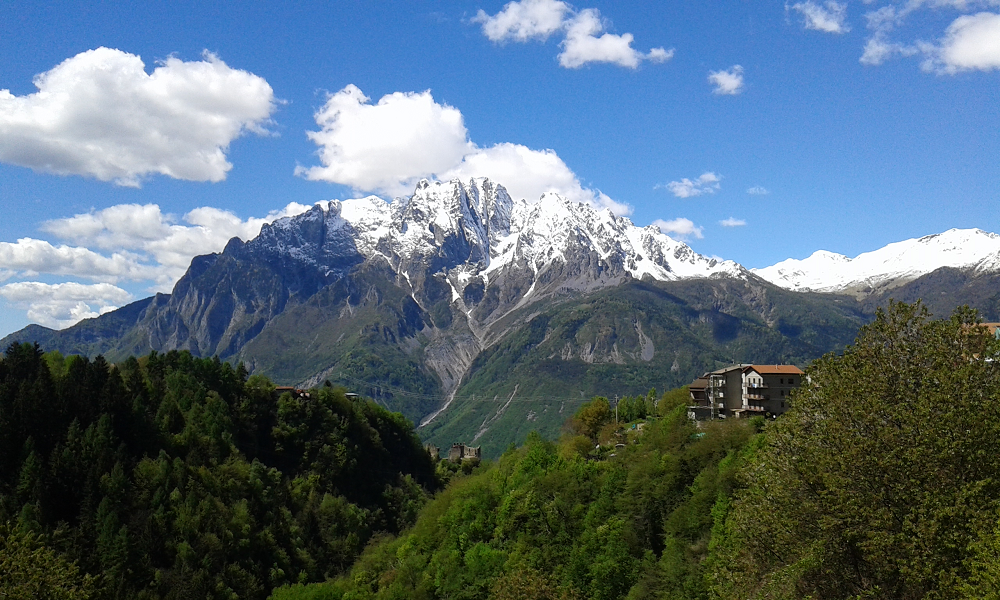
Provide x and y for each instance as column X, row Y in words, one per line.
column 743, row 390
column 766, row 388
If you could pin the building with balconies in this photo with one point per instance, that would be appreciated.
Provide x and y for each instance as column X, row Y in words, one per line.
column 766, row 388
column 743, row 390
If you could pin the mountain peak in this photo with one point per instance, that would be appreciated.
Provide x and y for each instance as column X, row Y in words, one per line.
column 475, row 226
column 889, row 266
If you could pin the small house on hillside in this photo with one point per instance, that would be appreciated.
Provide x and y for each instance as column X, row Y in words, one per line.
column 699, row 408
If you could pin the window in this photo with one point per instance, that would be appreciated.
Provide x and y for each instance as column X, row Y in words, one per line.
column 790, row 382
column 782, row 381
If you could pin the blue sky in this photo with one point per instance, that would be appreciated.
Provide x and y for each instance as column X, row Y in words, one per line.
column 859, row 123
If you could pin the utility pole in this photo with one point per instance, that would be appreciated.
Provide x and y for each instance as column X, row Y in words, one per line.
column 616, row 409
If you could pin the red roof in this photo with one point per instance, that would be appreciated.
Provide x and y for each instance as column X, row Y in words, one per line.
column 775, row 369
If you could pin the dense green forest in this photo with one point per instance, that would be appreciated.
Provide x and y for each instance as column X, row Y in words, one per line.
column 883, row 481
column 633, row 517
column 177, row 477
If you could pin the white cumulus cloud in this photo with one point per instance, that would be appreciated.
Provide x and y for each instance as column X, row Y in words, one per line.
column 152, row 244
column 524, row 20
column 706, row 183
column 732, row 222
column 99, row 114
column 586, row 43
column 970, row 42
column 528, row 174
column 140, row 243
column 29, row 257
column 727, row 82
column 758, row 190
column 829, row 17
column 63, row 304
column 680, row 228
column 387, row 147
column 585, row 40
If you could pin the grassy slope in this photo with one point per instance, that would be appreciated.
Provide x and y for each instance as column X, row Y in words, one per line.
column 694, row 326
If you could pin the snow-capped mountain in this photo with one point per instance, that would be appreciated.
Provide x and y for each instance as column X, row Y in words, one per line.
column 890, row 266
column 481, row 317
column 475, row 230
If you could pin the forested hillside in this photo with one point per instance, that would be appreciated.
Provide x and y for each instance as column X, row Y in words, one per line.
column 177, row 477
column 566, row 520
column 880, row 482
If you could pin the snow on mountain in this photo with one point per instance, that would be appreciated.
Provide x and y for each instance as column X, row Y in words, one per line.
column 894, row 264
column 476, row 229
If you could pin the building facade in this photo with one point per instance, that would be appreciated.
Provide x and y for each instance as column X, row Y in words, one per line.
column 743, row 390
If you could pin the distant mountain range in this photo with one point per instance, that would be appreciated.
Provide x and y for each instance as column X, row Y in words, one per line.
column 482, row 317
column 888, row 267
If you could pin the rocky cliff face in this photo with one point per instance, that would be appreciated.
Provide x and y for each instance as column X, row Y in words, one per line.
column 465, row 253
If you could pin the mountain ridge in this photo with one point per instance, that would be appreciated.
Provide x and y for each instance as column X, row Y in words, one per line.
column 890, row 266
column 458, row 292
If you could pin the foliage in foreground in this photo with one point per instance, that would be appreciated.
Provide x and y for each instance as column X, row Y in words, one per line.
column 884, row 480
column 177, row 477
column 554, row 521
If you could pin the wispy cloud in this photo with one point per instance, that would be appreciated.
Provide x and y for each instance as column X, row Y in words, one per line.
column 727, row 82
column 829, row 17
column 758, row 191
column 706, row 183
column 584, row 41
column 732, row 222
column 99, row 114
column 680, row 228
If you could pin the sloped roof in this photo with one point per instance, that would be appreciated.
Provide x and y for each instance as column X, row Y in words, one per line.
column 725, row 370
column 775, row 369
column 698, row 384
